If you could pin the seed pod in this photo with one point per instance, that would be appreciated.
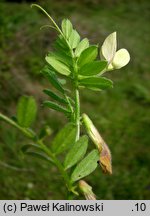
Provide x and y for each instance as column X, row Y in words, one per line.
column 86, row 190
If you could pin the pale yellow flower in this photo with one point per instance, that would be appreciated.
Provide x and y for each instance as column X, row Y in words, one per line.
column 116, row 59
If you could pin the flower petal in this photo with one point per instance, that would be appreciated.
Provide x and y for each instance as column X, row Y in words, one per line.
column 121, row 58
column 109, row 47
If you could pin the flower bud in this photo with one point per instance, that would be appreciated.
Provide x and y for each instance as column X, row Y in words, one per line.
column 93, row 132
column 105, row 155
column 86, row 190
column 105, row 160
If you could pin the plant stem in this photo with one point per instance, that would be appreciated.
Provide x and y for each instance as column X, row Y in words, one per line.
column 56, row 162
column 77, row 113
column 31, row 135
column 25, row 131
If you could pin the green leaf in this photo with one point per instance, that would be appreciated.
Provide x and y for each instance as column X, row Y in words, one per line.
column 66, row 27
column 81, row 46
column 54, row 96
column 86, row 166
column 26, row 111
column 64, row 139
column 25, row 148
column 93, row 68
column 77, row 152
column 88, row 55
column 62, row 57
column 50, row 75
column 61, row 44
column 39, row 156
column 96, row 82
column 55, row 106
column 58, row 66
column 74, row 39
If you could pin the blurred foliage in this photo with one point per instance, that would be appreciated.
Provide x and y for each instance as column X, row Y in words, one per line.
column 121, row 114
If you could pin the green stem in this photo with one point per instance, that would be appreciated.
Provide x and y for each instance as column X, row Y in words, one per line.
column 77, row 113
column 25, row 131
column 31, row 135
column 56, row 162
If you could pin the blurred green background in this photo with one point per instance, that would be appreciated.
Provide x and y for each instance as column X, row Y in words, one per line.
column 121, row 114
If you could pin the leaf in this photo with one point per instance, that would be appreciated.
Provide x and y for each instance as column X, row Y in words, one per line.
column 74, row 39
column 93, row 68
column 50, row 75
column 86, row 166
column 81, row 46
column 64, row 139
column 55, row 106
column 109, row 47
column 39, row 156
column 55, row 96
column 26, row 111
column 62, row 57
column 88, row 55
column 96, row 82
column 26, row 147
column 58, row 66
column 61, row 44
column 66, row 27
column 77, row 152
